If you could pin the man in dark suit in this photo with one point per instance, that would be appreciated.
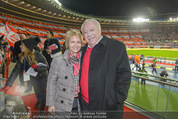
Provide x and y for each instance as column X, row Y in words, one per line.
column 105, row 72
column 49, row 42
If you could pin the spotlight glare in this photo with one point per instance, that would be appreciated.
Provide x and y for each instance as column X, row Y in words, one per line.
column 57, row 1
column 140, row 20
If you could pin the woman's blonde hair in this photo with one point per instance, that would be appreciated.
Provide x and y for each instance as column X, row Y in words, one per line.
column 70, row 33
column 28, row 55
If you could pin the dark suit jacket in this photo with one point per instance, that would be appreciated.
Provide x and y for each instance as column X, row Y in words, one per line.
column 109, row 75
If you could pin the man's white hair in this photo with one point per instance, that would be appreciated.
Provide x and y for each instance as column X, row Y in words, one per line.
column 90, row 20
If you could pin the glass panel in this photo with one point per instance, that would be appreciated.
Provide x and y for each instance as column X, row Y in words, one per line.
column 154, row 97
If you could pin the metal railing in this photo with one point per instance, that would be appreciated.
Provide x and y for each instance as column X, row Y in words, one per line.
column 171, row 83
column 168, row 82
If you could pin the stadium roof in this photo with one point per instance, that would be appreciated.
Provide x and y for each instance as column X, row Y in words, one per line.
column 49, row 11
column 122, row 7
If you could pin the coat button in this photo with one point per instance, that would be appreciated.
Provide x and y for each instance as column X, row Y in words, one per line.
column 64, row 89
column 65, row 77
column 62, row 101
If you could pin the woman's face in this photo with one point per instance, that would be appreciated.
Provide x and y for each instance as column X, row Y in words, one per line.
column 75, row 44
column 22, row 47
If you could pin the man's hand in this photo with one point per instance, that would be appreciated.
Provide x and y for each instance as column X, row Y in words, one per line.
column 48, row 51
column 5, row 89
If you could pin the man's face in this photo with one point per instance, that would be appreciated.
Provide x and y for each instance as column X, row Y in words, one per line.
column 48, row 34
column 10, row 106
column 22, row 37
column 92, row 33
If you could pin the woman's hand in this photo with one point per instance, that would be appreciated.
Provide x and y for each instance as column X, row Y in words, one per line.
column 51, row 109
column 5, row 89
column 34, row 66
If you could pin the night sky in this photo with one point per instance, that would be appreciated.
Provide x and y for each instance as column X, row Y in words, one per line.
column 122, row 7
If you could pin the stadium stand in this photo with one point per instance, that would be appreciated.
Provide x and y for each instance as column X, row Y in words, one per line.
column 132, row 37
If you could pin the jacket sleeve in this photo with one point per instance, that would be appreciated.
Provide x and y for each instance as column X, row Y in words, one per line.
column 41, row 59
column 52, row 82
column 58, row 49
column 18, row 67
column 123, row 76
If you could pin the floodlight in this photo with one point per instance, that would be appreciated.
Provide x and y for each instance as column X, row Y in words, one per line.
column 140, row 20
column 171, row 19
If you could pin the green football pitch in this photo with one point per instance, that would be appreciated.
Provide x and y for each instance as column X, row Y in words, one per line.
column 163, row 53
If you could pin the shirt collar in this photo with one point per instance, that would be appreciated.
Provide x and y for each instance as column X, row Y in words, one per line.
column 97, row 42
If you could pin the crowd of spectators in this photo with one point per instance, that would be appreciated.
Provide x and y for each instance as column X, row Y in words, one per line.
column 166, row 36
